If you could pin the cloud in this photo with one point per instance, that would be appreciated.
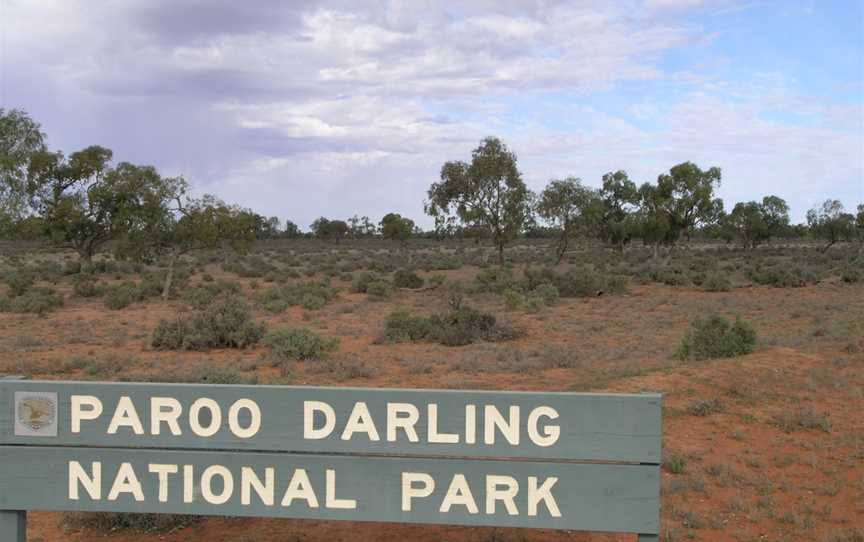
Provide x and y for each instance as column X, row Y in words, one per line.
column 304, row 108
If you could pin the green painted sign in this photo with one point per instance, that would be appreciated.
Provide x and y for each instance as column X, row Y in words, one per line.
column 540, row 460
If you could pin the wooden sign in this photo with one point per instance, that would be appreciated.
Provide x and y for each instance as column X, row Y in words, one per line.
column 540, row 460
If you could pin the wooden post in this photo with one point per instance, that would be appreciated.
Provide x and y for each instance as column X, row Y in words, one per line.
column 13, row 526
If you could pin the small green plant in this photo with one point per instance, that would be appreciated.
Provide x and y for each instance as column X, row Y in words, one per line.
column 379, row 290
column 402, row 326
column 85, row 285
column 716, row 282
column 225, row 323
column 298, row 344
column 456, row 328
column 802, row 418
column 704, row 407
column 120, row 296
column 20, row 282
column 513, row 299
column 674, row 463
column 39, row 301
column 405, row 278
column 716, row 337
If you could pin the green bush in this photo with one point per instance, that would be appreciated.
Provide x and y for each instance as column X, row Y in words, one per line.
column 201, row 296
column 716, row 282
column 851, row 273
column 85, row 285
column 405, row 278
column 120, row 296
column 313, row 302
column 363, row 280
column 299, row 344
column 225, row 323
column 578, row 281
column 716, row 337
column 783, row 277
column 34, row 301
column 20, row 282
column 279, row 298
column 513, row 299
column 456, row 328
column 402, row 326
column 546, row 292
column 495, row 280
column 379, row 290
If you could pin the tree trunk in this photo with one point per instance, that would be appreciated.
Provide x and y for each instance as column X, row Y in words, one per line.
column 500, row 253
column 668, row 257
column 169, row 276
column 561, row 249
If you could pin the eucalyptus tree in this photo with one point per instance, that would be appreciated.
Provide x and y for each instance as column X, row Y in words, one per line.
column 681, row 200
column 20, row 139
column 831, row 223
column 488, row 193
column 620, row 198
column 395, row 227
column 572, row 209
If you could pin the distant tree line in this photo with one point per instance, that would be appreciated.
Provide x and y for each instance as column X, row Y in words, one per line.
column 85, row 202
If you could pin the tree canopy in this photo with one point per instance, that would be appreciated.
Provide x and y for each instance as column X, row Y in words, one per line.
column 572, row 209
column 487, row 192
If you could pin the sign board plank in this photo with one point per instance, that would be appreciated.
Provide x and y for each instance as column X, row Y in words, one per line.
column 587, row 496
column 607, row 427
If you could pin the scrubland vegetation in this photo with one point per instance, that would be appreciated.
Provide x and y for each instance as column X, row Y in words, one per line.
column 752, row 327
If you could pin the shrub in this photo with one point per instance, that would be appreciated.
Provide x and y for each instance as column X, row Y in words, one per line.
column 716, row 282
column 716, row 337
column 546, row 292
column 437, row 280
column 86, row 286
column 313, row 302
column 34, row 301
column 299, row 344
column 783, row 277
column 674, row 463
column 405, row 278
column 456, row 328
column 495, row 280
column 203, row 295
column 802, row 418
column 513, row 299
column 362, row 281
column 402, row 326
column 851, row 273
column 120, row 296
column 225, row 323
column 379, row 290
column 279, row 298
column 20, row 282
column 579, row 281
column 534, row 303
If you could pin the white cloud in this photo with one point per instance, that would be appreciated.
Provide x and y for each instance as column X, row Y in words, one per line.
column 327, row 107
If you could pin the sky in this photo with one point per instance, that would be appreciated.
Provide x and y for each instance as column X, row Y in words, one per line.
column 333, row 108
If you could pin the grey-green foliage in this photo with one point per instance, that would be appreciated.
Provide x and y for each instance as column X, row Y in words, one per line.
column 225, row 323
column 458, row 327
column 488, row 193
column 299, row 344
column 311, row 295
column 572, row 209
column 716, row 337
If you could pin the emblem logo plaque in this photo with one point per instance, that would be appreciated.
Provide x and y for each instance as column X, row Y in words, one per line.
column 35, row 414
